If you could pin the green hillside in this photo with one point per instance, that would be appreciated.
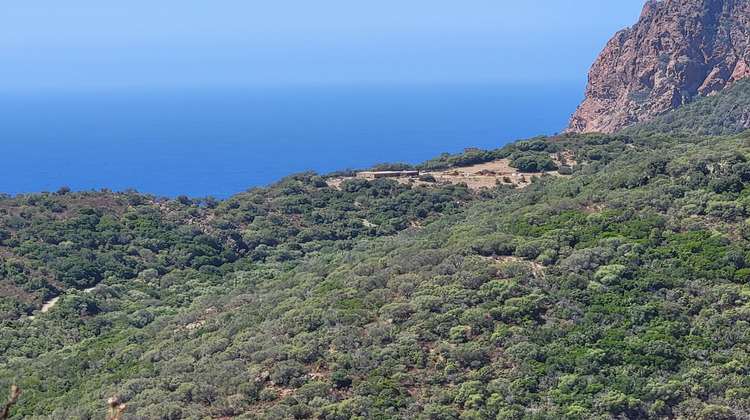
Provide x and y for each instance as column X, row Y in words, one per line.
column 619, row 292
column 726, row 112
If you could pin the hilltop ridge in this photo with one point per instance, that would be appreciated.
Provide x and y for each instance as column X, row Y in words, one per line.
column 679, row 50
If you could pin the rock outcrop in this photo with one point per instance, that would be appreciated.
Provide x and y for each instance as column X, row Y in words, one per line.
column 678, row 51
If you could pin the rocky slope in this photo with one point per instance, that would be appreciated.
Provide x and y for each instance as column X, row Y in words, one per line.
column 727, row 112
column 678, row 51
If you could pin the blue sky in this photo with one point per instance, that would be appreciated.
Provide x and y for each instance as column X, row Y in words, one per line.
column 74, row 44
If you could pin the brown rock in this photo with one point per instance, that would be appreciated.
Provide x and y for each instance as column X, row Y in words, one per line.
column 741, row 71
column 678, row 51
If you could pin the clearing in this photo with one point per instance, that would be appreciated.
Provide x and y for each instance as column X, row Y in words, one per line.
column 483, row 175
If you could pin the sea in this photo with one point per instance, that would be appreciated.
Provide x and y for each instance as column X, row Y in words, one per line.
column 218, row 142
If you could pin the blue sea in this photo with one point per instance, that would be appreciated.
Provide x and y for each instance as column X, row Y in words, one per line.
column 218, row 142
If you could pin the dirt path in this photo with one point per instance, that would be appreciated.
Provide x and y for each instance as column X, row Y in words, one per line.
column 52, row 302
column 49, row 304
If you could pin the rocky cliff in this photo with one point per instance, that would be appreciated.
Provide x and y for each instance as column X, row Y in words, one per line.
column 678, row 51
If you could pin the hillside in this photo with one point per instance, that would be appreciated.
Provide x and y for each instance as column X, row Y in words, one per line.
column 727, row 112
column 619, row 292
column 677, row 52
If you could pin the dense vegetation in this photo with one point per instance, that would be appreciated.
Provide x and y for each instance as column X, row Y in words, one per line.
column 726, row 112
column 620, row 292
column 528, row 156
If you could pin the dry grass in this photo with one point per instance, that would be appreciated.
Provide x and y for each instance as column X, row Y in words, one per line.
column 483, row 175
column 115, row 408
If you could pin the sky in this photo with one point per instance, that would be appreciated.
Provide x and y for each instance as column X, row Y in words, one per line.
column 94, row 44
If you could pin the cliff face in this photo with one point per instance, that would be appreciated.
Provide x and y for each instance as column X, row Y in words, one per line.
column 678, row 51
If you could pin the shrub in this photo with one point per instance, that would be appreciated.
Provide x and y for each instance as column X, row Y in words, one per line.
column 565, row 170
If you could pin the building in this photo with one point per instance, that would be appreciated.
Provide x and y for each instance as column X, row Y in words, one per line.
column 387, row 174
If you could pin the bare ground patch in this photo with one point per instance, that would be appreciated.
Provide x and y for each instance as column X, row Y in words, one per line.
column 483, row 175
